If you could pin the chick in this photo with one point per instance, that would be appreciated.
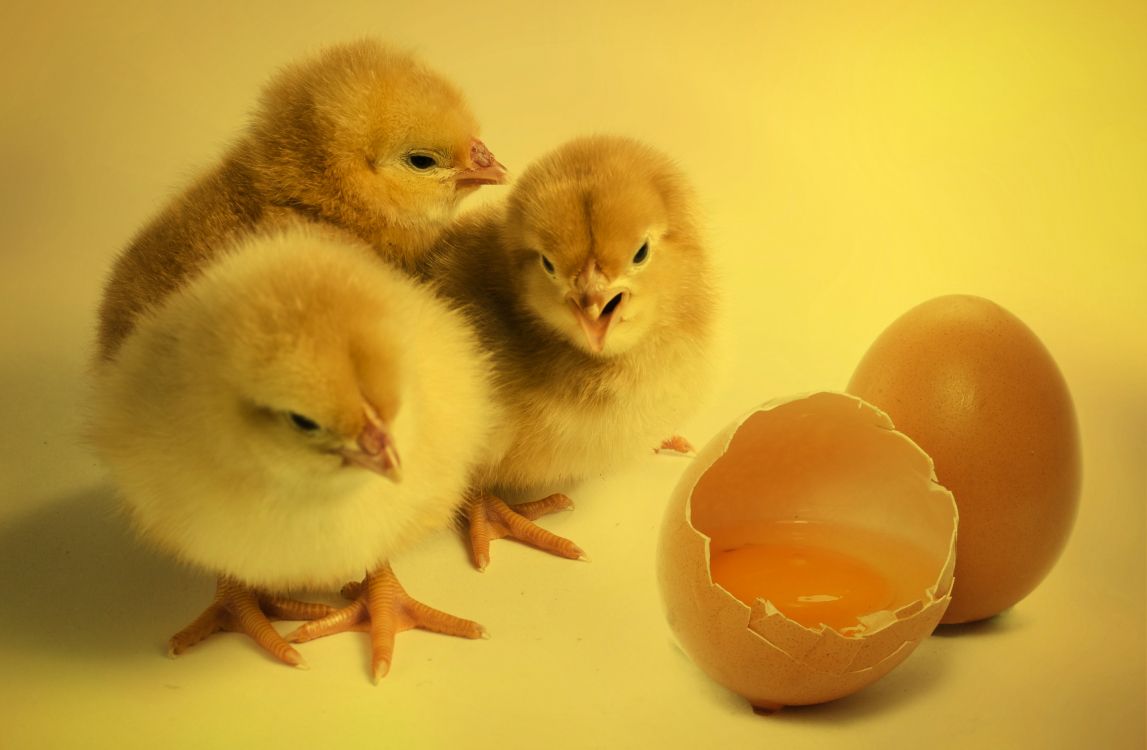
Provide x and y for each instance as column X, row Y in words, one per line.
column 591, row 287
column 254, row 422
column 362, row 138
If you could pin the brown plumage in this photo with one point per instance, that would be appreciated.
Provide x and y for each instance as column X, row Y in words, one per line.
column 363, row 139
column 591, row 287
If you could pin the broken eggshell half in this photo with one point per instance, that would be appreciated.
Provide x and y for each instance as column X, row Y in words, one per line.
column 822, row 458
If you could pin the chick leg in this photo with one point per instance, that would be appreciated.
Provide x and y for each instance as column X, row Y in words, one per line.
column 237, row 608
column 382, row 608
column 491, row 518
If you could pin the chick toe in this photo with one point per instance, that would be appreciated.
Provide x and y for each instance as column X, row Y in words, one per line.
column 491, row 518
column 675, row 444
column 240, row 609
column 382, row 608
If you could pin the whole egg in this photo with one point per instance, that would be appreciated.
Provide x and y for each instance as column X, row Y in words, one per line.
column 979, row 392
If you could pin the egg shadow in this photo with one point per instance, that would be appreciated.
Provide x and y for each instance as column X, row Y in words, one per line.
column 1004, row 622
column 924, row 669
column 909, row 682
column 74, row 579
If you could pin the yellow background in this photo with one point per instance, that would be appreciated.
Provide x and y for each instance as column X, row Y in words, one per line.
column 853, row 159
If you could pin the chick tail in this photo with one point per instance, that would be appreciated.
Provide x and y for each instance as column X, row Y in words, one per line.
column 381, row 607
column 491, row 518
column 237, row 608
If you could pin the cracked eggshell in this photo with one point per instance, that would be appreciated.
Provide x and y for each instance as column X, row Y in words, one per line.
column 827, row 457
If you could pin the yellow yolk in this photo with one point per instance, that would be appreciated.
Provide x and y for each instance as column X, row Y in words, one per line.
column 808, row 584
column 804, row 570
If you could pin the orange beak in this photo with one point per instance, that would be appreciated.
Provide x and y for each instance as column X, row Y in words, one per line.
column 596, row 304
column 484, row 169
column 374, row 451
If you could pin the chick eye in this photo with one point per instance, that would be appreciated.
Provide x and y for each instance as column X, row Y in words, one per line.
column 642, row 254
column 421, row 162
column 303, row 423
column 547, row 264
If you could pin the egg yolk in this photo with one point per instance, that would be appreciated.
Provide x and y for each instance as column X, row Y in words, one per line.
column 807, row 583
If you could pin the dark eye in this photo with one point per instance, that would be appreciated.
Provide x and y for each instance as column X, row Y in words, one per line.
column 303, row 423
column 421, row 161
column 547, row 264
column 642, row 254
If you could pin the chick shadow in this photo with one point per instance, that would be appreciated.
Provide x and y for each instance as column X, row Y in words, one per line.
column 75, row 581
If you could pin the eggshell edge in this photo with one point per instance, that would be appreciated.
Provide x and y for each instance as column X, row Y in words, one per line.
column 847, row 664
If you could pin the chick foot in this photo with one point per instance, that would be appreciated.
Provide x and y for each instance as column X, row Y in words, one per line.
column 491, row 518
column 675, row 444
column 240, row 609
column 381, row 607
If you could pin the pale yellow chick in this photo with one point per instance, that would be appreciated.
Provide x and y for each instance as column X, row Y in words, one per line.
column 591, row 287
column 290, row 419
column 362, row 138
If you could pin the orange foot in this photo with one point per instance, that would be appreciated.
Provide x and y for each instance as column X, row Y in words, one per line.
column 676, row 444
column 382, row 608
column 240, row 609
column 491, row 518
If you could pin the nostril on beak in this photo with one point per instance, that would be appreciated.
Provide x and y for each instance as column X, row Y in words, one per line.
column 611, row 305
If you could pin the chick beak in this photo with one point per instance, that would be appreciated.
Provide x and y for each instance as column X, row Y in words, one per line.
column 597, row 313
column 595, row 304
column 485, row 169
column 374, row 450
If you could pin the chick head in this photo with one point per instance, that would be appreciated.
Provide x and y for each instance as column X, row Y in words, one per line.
column 369, row 138
column 603, row 243
column 296, row 355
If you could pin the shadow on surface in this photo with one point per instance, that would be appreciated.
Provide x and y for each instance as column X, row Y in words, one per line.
column 918, row 674
column 1004, row 622
column 913, row 679
column 73, row 579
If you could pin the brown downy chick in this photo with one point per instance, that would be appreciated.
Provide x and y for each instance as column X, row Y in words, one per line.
column 290, row 419
column 591, row 287
column 362, row 138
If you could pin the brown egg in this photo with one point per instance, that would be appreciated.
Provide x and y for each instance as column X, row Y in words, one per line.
column 975, row 388
column 806, row 551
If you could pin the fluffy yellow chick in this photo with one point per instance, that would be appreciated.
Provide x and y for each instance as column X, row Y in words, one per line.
column 591, row 287
column 290, row 419
column 362, row 138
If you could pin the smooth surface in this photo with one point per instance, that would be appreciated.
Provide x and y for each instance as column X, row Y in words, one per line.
column 853, row 161
column 975, row 388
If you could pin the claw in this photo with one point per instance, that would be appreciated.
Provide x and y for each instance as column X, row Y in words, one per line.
column 491, row 518
column 381, row 607
column 240, row 609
